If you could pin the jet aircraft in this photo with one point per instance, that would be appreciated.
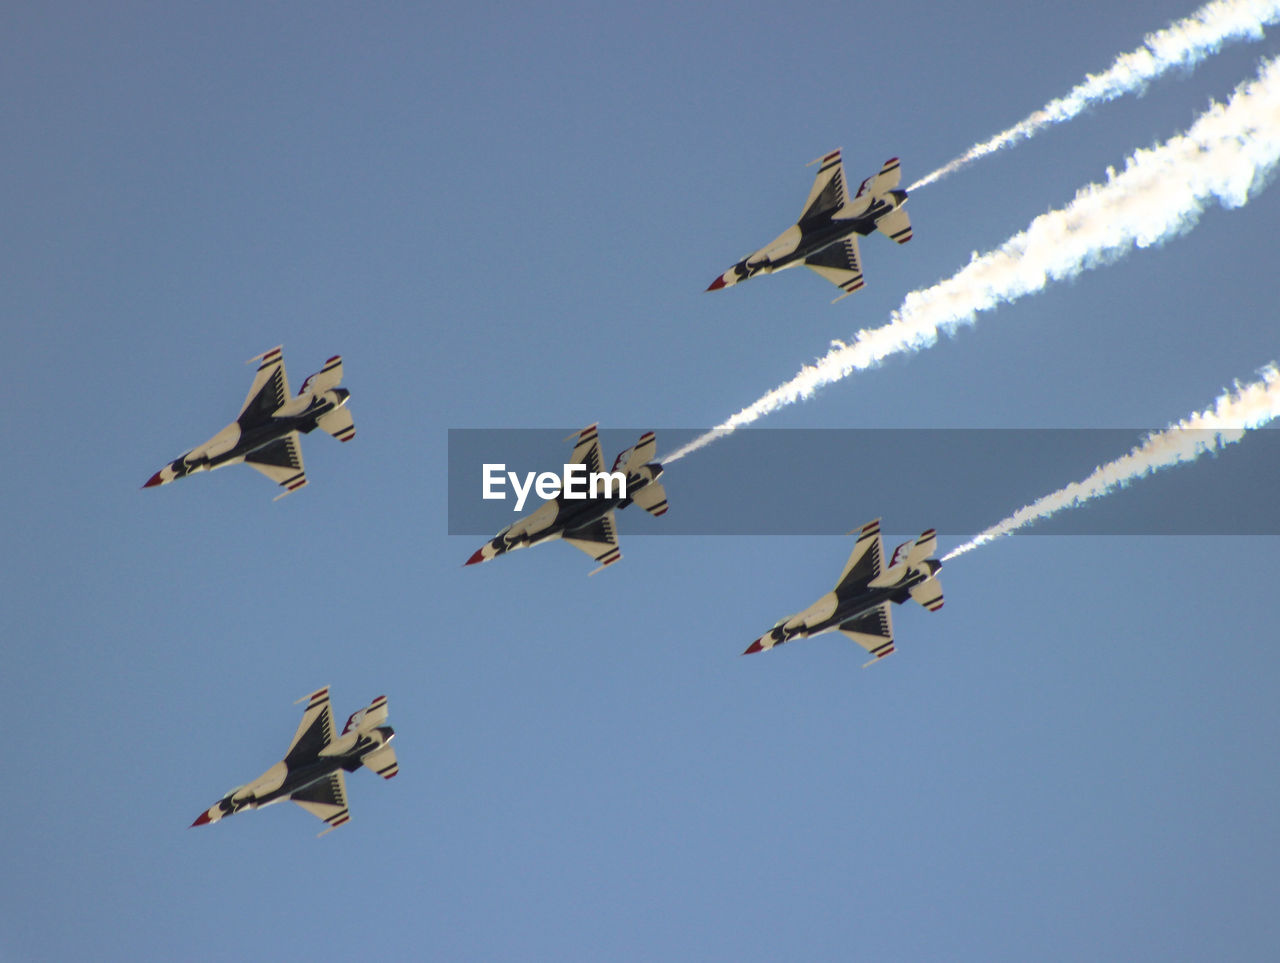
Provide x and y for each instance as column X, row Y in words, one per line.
column 311, row 772
column 265, row 435
column 825, row 238
column 858, row 606
column 588, row 524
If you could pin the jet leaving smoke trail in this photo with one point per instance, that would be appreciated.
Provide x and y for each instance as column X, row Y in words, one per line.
column 1235, row 412
column 1183, row 43
column 1162, row 191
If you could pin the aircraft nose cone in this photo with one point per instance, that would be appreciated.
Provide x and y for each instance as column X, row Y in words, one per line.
column 754, row 647
column 202, row 819
column 477, row 557
column 717, row 284
column 153, row 481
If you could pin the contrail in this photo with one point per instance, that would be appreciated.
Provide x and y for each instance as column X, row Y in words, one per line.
column 1236, row 411
column 1226, row 155
column 1183, row 43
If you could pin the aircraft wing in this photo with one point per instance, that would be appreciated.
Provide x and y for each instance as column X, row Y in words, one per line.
column 888, row 178
column 586, row 451
column 839, row 264
column 315, row 731
column 873, row 631
column 326, row 799
column 599, row 540
column 829, row 191
column 270, row 389
column 866, row 561
column 896, row 225
column 281, row 461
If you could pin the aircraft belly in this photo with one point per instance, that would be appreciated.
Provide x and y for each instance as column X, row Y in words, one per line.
column 816, row 615
column 273, row 431
column 233, row 457
column 781, row 248
column 821, row 239
column 863, row 604
column 572, row 517
column 302, row 777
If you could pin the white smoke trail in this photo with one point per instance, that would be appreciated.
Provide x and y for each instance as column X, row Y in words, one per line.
column 1183, row 43
column 1226, row 155
column 1235, row 412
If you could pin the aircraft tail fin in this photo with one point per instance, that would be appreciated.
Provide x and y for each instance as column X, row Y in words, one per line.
column 638, row 455
column 330, row 376
column 915, row 551
column 887, row 178
column 370, row 717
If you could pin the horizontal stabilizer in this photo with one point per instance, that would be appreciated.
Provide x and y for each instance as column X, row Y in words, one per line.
column 338, row 423
column 652, row 498
column 896, row 225
column 330, row 376
column 888, row 177
column 917, row 550
column 638, row 455
column 370, row 717
column 928, row 594
column 382, row 761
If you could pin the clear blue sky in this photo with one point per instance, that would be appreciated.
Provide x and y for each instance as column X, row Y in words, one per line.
column 504, row 217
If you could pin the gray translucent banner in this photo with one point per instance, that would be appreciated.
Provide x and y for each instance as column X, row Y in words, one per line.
column 779, row 481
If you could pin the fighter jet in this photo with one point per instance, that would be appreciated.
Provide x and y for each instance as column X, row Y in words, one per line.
column 311, row 772
column 859, row 604
column 588, row 523
column 826, row 236
column 265, row 434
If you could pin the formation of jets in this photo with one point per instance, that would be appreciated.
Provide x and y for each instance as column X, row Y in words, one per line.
column 266, row 435
column 825, row 239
